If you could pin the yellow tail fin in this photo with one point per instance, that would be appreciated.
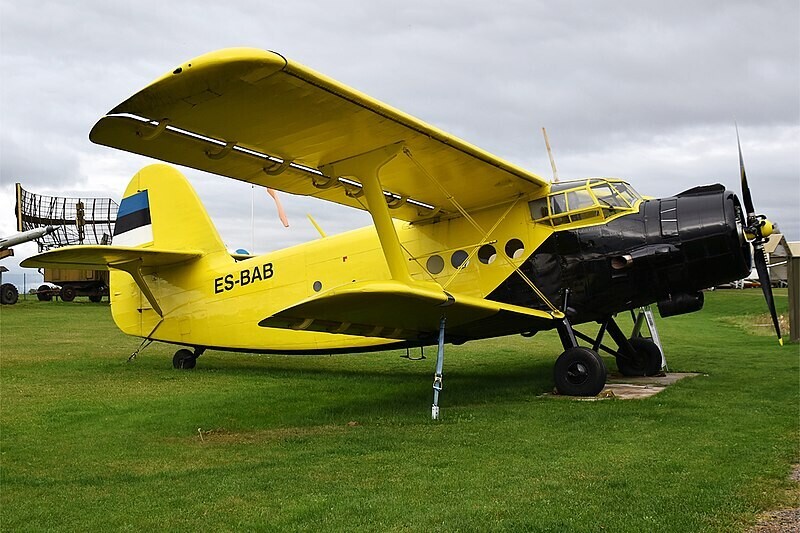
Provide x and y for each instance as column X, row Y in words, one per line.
column 160, row 209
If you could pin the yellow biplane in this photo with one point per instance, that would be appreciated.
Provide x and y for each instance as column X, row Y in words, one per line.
column 464, row 245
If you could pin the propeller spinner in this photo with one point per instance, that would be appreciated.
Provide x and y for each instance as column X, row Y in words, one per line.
column 757, row 229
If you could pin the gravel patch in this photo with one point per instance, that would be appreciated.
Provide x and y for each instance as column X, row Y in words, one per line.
column 784, row 520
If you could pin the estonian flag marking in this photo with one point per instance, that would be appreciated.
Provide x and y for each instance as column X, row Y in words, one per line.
column 133, row 226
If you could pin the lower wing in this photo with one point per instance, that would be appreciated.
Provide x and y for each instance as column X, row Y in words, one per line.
column 395, row 310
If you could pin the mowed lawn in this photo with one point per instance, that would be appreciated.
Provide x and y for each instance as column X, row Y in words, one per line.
column 255, row 442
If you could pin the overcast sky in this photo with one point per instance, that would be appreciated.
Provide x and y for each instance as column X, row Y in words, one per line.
column 644, row 90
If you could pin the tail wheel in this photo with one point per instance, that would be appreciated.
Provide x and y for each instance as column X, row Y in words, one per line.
column 184, row 359
column 647, row 361
column 579, row 371
column 8, row 294
column 67, row 293
column 43, row 293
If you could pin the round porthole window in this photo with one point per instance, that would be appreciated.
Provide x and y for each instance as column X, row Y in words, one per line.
column 317, row 286
column 487, row 254
column 459, row 258
column 435, row 264
column 514, row 248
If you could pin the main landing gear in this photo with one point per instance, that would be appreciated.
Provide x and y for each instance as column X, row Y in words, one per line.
column 580, row 371
column 186, row 359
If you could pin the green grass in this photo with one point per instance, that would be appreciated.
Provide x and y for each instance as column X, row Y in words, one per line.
column 90, row 442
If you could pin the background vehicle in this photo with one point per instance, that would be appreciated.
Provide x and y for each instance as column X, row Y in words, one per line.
column 72, row 221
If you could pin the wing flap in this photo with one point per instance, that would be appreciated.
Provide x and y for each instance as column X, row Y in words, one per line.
column 394, row 310
column 99, row 257
column 267, row 104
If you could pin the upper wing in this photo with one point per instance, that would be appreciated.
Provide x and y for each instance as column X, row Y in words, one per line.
column 242, row 112
column 100, row 257
column 394, row 310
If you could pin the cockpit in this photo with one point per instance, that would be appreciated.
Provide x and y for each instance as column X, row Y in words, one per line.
column 584, row 201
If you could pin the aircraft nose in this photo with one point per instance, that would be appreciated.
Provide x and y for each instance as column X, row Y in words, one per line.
column 709, row 225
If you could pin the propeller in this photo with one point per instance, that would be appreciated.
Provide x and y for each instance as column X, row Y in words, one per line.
column 757, row 229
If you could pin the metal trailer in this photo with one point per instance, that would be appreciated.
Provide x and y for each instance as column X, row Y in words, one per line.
column 69, row 283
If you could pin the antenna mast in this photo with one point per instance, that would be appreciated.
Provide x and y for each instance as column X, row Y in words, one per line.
column 550, row 153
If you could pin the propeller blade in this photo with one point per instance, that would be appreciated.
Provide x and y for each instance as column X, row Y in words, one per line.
column 746, row 198
column 766, row 287
column 281, row 212
column 760, row 228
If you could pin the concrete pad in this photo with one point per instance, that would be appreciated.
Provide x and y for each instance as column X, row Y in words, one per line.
column 630, row 388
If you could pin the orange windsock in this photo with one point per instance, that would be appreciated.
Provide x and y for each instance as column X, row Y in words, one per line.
column 281, row 212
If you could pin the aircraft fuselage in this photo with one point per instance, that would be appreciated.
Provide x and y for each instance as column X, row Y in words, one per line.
column 653, row 251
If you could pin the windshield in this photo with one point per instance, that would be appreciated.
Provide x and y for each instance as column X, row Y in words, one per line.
column 595, row 198
column 627, row 192
column 609, row 196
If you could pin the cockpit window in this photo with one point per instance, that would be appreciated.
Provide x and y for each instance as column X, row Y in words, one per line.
column 538, row 208
column 584, row 200
column 579, row 199
column 558, row 203
column 608, row 196
column 627, row 192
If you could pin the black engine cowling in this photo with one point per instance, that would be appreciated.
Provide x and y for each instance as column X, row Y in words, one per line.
column 666, row 253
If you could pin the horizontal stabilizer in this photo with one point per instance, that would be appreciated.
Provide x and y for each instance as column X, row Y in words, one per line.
column 395, row 310
column 99, row 257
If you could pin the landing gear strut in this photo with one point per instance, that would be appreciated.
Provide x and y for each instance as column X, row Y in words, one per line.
column 186, row 359
column 636, row 356
column 578, row 371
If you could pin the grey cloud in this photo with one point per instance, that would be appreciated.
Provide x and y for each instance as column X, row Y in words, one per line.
column 32, row 161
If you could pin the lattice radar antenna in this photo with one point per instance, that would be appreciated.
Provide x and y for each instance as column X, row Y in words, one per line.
column 77, row 220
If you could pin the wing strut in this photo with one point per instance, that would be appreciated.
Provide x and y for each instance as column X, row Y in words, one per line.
column 481, row 231
column 366, row 167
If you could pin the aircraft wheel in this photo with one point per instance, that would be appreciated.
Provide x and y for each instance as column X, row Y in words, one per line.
column 579, row 372
column 184, row 359
column 43, row 293
column 67, row 293
column 648, row 359
column 8, row 294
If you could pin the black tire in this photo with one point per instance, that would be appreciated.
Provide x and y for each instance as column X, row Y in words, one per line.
column 8, row 294
column 184, row 359
column 648, row 359
column 579, row 372
column 96, row 297
column 43, row 293
column 68, row 293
